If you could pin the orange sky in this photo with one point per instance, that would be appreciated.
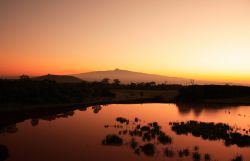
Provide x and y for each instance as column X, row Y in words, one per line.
column 200, row 39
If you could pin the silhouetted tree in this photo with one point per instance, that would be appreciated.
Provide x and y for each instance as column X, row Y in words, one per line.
column 47, row 91
column 105, row 81
column 192, row 82
column 24, row 77
column 116, row 82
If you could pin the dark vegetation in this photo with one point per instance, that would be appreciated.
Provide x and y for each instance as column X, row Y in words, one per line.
column 148, row 138
column 199, row 93
column 40, row 90
column 112, row 140
column 28, row 91
column 184, row 152
column 36, row 91
column 4, row 153
column 96, row 108
column 143, row 136
column 207, row 157
column 169, row 152
column 212, row 131
column 238, row 158
column 196, row 156
column 148, row 149
column 122, row 120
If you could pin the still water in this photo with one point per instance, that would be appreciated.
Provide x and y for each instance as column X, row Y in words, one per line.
column 79, row 135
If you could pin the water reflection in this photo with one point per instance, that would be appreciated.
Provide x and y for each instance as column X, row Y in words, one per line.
column 8, row 121
column 145, row 132
column 9, row 129
column 34, row 122
column 197, row 109
column 96, row 108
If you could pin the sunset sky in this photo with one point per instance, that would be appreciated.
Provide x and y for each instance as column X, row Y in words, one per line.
column 200, row 39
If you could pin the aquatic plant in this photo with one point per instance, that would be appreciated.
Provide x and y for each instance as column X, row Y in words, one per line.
column 146, row 138
column 207, row 157
column 145, row 128
column 149, row 132
column 196, row 156
column 238, row 158
column 212, row 131
column 184, row 153
column 122, row 120
column 137, row 151
column 112, row 140
column 196, row 148
column 148, row 149
column 164, row 139
column 133, row 143
column 168, row 152
column 237, row 139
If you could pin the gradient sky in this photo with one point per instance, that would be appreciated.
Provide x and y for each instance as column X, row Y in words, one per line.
column 200, row 39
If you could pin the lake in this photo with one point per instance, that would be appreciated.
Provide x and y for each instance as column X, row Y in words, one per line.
column 130, row 132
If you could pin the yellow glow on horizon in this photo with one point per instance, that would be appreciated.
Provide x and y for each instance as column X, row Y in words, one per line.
column 198, row 39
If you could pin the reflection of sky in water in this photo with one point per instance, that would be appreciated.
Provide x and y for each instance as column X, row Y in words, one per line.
column 78, row 135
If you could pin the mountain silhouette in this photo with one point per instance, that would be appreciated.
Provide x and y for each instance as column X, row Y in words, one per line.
column 59, row 78
column 126, row 76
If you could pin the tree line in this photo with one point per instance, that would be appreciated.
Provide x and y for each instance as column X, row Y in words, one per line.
column 29, row 91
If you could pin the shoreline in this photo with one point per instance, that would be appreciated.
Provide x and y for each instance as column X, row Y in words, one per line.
column 16, row 108
column 124, row 96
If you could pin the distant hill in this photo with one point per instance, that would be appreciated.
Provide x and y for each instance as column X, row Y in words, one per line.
column 126, row 76
column 59, row 78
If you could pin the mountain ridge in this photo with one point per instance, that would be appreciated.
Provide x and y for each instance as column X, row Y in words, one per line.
column 59, row 78
column 126, row 76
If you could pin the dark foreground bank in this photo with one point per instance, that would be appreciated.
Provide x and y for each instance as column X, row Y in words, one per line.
column 29, row 94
